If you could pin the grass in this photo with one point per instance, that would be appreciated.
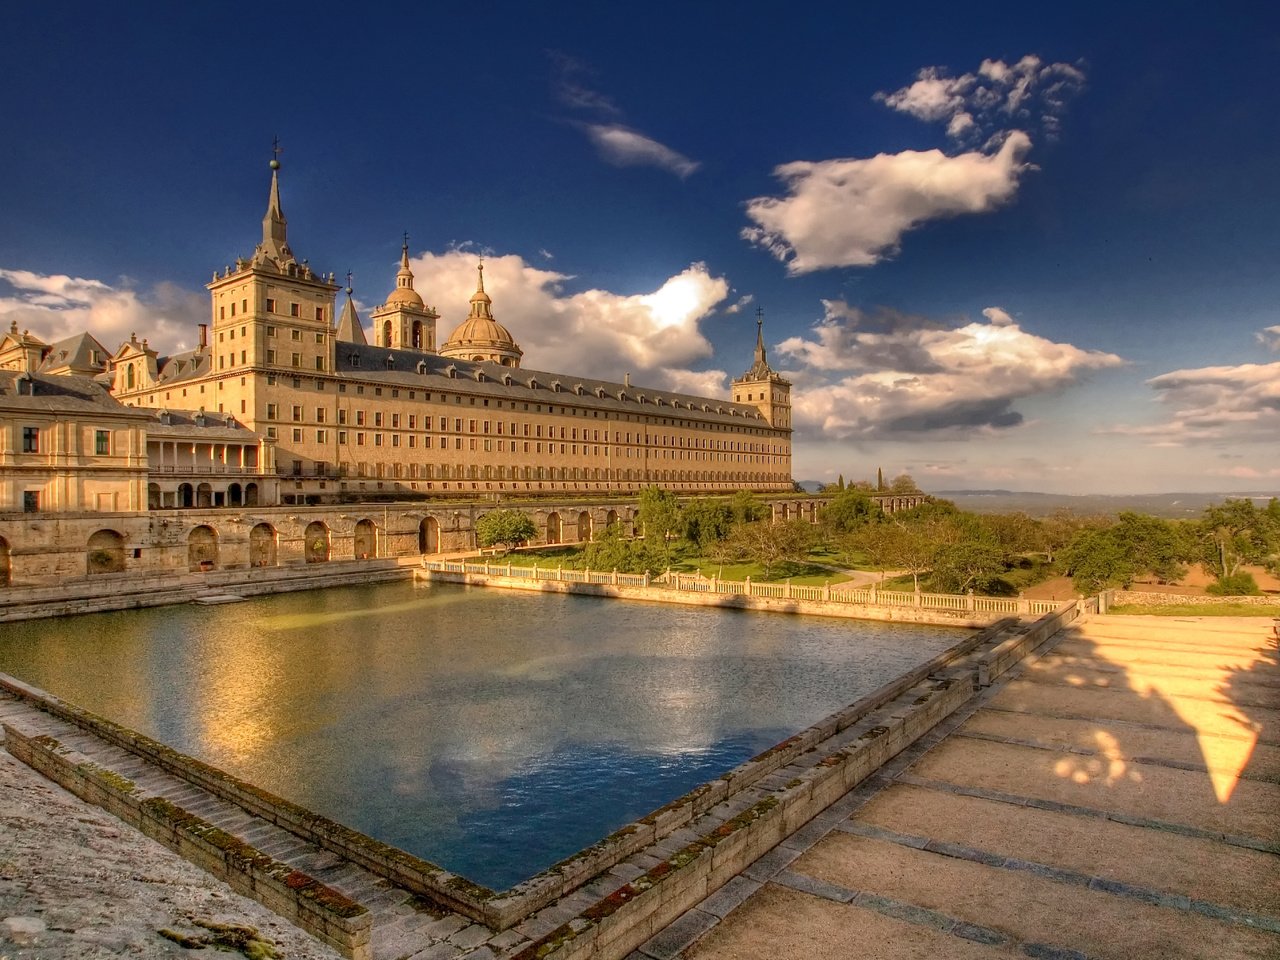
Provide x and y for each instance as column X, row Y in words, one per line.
column 801, row 574
column 1197, row 610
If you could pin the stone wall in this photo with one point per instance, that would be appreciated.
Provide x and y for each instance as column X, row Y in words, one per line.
column 1116, row 598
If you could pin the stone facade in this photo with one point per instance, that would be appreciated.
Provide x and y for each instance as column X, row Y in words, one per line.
column 354, row 420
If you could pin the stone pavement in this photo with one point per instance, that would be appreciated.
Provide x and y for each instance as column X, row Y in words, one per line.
column 1118, row 798
column 77, row 884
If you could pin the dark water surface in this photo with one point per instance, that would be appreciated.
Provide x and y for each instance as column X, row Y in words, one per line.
column 491, row 732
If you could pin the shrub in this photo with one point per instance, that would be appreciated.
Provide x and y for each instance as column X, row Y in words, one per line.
column 1239, row 584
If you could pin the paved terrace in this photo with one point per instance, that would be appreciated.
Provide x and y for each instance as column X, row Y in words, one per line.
column 1118, row 798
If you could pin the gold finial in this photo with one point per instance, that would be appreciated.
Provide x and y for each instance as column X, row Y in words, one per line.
column 276, row 150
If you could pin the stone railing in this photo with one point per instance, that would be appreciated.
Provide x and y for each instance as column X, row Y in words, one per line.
column 694, row 583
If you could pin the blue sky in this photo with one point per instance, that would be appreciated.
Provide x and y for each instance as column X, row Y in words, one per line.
column 1027, row 249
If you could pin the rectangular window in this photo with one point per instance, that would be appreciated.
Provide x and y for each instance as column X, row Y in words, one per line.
column 321, row 436
column 243, row 354
column 271, row 308
column 271, row 331
column 413, row 422
column 295, row 335
column 102, row 442
column 342, row 416
column 359, row 439
column 294, row 310
column 457, row 425
column 273, row 411
column 297, row 435
column 271, row 358
column 319, row 414
column 297, row 413
column 359, row 418
column 395, row 421
column 377, row 418
column 296, row 360
column 377, row 439
column 30, row 439
column 319, row 336
column 413, row 441
column 395, row 439
column 319, row 316
column 320, row 364
column 342, row 436
column 30, row 501
column 271, row 432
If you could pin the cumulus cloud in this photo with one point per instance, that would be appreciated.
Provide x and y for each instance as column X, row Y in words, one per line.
column 654, row 336
column 54, row 306
column 853, row 212
column 624, row 147
column 992, row 98
column 1270, row 337
column 737, row 305
column 1214, row 406
column 887, row 375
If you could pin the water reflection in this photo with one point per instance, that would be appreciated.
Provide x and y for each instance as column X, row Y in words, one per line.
column 493, row 733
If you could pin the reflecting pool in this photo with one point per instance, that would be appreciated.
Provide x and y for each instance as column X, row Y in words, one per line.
column 492, row 732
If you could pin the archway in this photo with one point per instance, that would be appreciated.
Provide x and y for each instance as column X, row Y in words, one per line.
column 584, row 527
column 6, row 564
column 202, row 549
column 233, row 495
column 153, row 496
column 250, row 494
column 611, row 518
column 186, row 495
column 366, row 540
column 105, row 553
column 416, row 338
column 204, row 495
column 315, row 542
column 262, row 545
column 553, row 528
column 429, row 536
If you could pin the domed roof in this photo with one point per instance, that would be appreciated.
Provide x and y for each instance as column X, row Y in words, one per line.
column 404, row 294
column 482, row 332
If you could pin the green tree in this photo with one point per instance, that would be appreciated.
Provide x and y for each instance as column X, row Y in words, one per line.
column 1096, row 560
column 747, row 507
column 612, row 551
column 901, row 545
column 771, row 544
column 1235, row 533
column 1013, row 533
column 506, row 527
column 705, row 521
column 902, row 484
column 967, row 565
column 659, row 512
column 849, row 510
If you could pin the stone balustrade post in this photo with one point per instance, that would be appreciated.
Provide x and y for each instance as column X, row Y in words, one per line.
column 873, row 592
column 826, row 590
column 559, row 573
column 788, row 588
column 747, row 581
column 535, row 571
column 969, row 605
column 615, row 576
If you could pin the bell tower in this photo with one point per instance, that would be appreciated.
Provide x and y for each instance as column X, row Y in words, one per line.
column 405, row 322
column 764, row 389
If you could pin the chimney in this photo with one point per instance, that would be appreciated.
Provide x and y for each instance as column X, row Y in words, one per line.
column 626, row 379
column 204, row 336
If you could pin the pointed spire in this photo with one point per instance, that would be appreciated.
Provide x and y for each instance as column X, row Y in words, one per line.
column 275, row 244
column 760, row 370
column 480, row 301
column 349, row 328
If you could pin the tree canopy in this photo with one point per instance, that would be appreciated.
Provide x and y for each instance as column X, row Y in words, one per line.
column 505, row 527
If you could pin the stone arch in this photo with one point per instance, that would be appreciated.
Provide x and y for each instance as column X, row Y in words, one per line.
column 105, row 553
column 785, row 510
column 202, row 548
column 234, row 495
column 6, row 563
column 186, row 495
column 584, row 527
column 416, row 337
column 611, row 518
column 250, row 494
column 204, row 495
column 365, row 542
column 315, row 542
column 553, row 528
column 262, row 545
column 429, row 535
column 386, row 334
column 153, row 496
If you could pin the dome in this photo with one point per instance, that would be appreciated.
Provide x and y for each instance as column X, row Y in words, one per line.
column 405, row 296
column 481, row 333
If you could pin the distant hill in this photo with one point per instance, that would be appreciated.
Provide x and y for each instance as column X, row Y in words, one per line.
column 1171, row 505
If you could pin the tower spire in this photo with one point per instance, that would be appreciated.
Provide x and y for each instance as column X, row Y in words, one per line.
column 275, row 243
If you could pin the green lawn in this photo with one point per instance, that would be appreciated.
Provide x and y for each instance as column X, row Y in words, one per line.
column 801, row 574
column 1197, row 610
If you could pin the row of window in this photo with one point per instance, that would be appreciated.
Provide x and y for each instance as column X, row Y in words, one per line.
column 295, row 309
column 445, row 471
column 101, row 441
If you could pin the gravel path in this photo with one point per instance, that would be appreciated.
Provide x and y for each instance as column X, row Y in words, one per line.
column 77, row 883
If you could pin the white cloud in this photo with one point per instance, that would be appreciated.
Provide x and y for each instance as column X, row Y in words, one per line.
column 573, row 92
column 653, row 336
column 1270, row 337
column 888, row 375
column 1214, row 406
column 53, row 306
column 742, row 301
column 979, row 104
column 624, row 147
column 853, row 212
